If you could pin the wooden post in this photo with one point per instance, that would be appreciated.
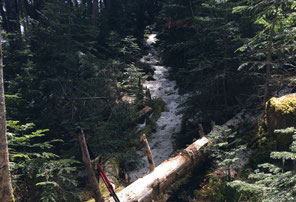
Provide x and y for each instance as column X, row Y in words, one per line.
column 201, row 130
column 88, row 166
column 148, row 152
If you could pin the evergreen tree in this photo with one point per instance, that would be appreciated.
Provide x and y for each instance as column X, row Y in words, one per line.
column 272, row 182
column 273, row 45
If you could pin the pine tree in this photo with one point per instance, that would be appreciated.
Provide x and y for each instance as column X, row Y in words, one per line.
column 37, row 172
column 272, row 182
column 273, row 45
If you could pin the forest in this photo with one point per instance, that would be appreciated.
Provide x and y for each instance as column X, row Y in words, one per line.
column 210, row 85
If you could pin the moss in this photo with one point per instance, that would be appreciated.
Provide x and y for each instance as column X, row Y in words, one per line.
column 281, row 113
column 285, row 104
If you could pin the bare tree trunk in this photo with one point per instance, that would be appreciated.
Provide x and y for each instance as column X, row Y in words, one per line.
column 89, row 169
column 148, row 152
column 150, row 186
column 201, row 130
column 5, row 180
column 269, row 54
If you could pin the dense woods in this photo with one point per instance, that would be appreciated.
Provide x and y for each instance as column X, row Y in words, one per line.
column 70, row 63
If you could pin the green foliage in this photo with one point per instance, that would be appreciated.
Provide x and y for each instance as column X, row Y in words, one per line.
column 271, row 182
column 63, row 70
column 112, row 137
column 37, row 173
column 199, row 39
column 217, row 190
column 132, row 75
column 223, row 155
column 275, row 22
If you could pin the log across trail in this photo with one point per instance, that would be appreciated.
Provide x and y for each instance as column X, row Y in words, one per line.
column 150, row 186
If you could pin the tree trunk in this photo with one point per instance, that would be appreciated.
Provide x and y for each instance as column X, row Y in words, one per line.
column 151, row 185
column 148, row 152
column 89, row 6
column 225, row 69
column 140, row 18
column 5, row 180
column 111, row 170
column 140, row 115
column 269, row 54
column 89, row 169
column 95, row 12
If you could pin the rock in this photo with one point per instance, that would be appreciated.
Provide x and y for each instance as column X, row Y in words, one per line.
column 281, row 114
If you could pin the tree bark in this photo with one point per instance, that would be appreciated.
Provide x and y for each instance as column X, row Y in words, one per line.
column 148, row 152
column 89, row 169
column 5, row 180
column 269, row 54
column 201, row 130
column 140, row 115
column 111, row 170
column 150, row 186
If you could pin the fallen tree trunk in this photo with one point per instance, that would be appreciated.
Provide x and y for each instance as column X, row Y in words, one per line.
column 151, row 185
column 143, row 113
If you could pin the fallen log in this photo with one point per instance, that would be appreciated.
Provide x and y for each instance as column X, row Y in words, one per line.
column 143, row 113
column 151, row 185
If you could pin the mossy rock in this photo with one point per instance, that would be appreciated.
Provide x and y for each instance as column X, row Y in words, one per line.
column 280, row 114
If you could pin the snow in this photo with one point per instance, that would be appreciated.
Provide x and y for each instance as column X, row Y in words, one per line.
column 161, row 143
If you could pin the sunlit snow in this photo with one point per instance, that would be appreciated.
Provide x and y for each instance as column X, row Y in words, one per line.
column 169, row 123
